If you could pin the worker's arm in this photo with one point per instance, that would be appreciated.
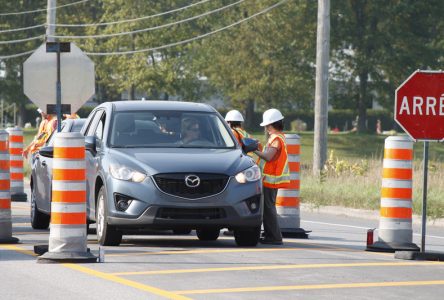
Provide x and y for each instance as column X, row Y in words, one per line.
column 268, row 154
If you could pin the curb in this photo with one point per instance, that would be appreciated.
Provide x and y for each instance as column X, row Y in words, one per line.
column 362, row 213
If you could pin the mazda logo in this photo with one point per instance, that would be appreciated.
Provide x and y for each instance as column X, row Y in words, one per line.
column 192, row 181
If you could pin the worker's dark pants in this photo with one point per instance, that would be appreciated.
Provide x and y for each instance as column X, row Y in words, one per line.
column 271, row 225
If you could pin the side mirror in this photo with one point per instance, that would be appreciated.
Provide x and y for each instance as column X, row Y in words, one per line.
column 249, row 145
column 90, row 144
column 47, row 151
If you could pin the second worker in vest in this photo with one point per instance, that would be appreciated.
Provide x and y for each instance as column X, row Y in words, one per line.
column 47, row 126
column 276, row 174
column 235, row 119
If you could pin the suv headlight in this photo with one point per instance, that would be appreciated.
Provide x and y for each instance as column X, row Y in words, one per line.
column 125, row 173
column 251, row 174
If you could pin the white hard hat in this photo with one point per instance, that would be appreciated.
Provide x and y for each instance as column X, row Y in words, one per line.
column 270, row 116
column 234, row 116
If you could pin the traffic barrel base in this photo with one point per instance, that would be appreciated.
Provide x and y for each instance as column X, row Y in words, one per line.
column 414, row 255
column 391, row 247
column 19, row 197
column 297, row 233
column 9, row 240
column 67, row 257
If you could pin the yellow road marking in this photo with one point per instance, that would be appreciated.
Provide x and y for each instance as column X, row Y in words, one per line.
column 18, row 249
column 312, row 287
column 137, row 285
column 279, row 267
column 208, row 251
column 110, row 277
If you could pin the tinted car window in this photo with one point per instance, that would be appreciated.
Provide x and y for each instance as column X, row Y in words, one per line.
column 172, row 129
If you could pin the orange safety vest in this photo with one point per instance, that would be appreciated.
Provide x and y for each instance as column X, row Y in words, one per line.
column 239, row 133
column 46, row 128
column 276, row 173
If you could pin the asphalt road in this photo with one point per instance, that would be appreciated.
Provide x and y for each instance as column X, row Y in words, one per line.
column 331, row 264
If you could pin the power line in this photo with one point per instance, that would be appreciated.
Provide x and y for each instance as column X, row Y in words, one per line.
column 22, row 40
column 100, row 36
column 130, row 20
column 22, row 28
column 16, row 55
column 191, row 39
column 41, row 9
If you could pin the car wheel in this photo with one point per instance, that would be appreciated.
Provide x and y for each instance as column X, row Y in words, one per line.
column 182, row 231
column 39, row 220
column 107, row 235
column 247, row 237
column 207, row 234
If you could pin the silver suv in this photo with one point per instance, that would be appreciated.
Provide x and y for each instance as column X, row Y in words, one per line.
column 169, row 165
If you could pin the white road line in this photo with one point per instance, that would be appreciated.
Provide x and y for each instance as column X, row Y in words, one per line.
column 359, row 227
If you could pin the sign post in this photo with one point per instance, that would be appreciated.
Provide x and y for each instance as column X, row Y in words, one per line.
column 58, row 47
column 419, row 110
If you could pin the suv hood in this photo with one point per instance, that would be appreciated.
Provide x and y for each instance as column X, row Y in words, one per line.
column 173, row 160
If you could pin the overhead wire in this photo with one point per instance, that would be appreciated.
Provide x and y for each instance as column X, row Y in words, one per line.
column 22, row 40
column 100, row 36
column 22, row 28
column 131, row 20
column 188, row 40
column 41, row 9
column 3, row 57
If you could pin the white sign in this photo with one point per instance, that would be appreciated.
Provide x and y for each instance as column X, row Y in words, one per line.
column 76, row 77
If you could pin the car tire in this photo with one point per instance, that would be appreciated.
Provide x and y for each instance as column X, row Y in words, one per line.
column 107, row 235
column 208, row 234
column 39, row 220
column 247, row 237
column 182, row 231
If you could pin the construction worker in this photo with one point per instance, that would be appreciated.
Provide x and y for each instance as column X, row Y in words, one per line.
column 71, row 116
column 234, row 118
column 46, row 128
column 276, row 174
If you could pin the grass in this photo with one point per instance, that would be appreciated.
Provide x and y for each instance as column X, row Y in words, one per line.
column 360, row 187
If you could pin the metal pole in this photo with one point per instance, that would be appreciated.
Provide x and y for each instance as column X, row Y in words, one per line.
column 321, row 91
column 51, row 19
column 15, row 113
column 1, row 125
column 424, row 195
column 59, row 93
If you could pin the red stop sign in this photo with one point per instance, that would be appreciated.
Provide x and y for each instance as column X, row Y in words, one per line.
column 419, row 105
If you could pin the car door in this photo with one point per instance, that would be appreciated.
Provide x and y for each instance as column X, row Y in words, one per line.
column 94, row 128
column 43, row 171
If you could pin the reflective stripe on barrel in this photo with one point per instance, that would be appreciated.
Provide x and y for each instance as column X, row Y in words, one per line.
column 16, row 159
column 68, row 206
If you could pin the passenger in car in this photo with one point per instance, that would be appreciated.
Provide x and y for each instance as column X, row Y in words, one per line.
column 274, row 165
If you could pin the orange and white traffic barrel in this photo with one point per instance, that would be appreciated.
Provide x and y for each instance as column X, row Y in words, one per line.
column 288, row 200
column 68, row 236
column 395, row 222
column 16, row 163
column 5, row 197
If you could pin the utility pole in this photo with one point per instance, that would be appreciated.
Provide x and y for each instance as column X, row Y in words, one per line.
column 321, row 92
column 51, row 20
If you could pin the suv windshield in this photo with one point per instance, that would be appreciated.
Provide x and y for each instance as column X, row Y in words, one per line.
column 171, row 129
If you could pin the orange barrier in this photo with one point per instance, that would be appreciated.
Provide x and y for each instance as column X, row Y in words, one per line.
column 5, row 199
column 68, row 236
column 16, row 163
column 395, row 223
column 287, row 200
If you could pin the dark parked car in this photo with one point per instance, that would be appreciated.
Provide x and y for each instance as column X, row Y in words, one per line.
column 169, row 165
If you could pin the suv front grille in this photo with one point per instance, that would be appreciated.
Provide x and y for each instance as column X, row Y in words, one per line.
column 174, row 184
column 191, row 213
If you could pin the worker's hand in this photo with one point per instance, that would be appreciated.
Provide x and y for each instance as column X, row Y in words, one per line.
column 25, row 153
